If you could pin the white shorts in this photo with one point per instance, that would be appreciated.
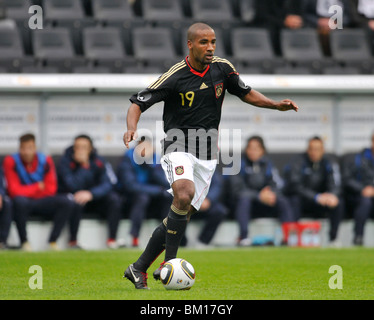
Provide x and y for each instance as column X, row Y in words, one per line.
column 181, row 165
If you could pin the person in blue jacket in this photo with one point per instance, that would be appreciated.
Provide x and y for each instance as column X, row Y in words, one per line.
column 142, row 180
column 90, row 180
column 358, row 180
column 5, row 213
column 313, row 186
column 257, row 189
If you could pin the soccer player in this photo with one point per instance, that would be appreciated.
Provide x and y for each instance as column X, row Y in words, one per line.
column 193, row 91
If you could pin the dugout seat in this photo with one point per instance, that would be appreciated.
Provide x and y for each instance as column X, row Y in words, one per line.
column 243, row 69
column 292, row 70
column 301, row 47
column 340, row 70
column 109, row 10
column 91, row 69
column 167, row 14
column 142, row 69
column 68, row 14
column 17, row 9
column 103, row 47
column 351, row 48
column 39, row 69
column 12, row 55
column 166, row 10
column 154, row 46
column 211, row 11
column 63, row 10
column 252, row 47
column 118, row 14
column 53, row 47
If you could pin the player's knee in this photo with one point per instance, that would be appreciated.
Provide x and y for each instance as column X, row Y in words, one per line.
column 182, row 200
column 184, row 192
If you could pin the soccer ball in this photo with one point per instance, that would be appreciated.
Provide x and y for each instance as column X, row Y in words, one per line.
column 177, row 274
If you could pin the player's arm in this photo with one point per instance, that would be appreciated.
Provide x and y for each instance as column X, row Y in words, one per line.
column 133, row 116
column 257, row 99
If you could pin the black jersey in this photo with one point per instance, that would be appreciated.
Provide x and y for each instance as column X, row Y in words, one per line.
column 193, row 102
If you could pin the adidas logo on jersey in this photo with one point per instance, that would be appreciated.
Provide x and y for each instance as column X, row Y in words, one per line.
column 203, row 86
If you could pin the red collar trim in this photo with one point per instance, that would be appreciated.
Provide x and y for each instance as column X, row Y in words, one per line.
column 200, row 74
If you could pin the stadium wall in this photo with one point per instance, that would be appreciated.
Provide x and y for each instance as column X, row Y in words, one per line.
column 57, row 107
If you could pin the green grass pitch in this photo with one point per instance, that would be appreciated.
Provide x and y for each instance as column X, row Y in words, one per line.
column 222, row 274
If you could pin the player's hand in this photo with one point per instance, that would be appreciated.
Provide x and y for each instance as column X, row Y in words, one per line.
column 129, row 136
column 1, row 201
column 286, row 105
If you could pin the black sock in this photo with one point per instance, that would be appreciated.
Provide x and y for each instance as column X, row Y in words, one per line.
column 155, row 246
column 176, row 227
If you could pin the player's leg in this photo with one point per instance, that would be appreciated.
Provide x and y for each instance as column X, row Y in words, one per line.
column 177, row 166
column 166, row 236
column 183, row 191
column 189, row 194
column 202, row 175
column 156, row 273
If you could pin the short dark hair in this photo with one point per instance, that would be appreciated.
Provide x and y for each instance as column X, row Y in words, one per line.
column 315, row 138
column 259, row 139
column 191, row 32
column 27, row 137
column 84, row 136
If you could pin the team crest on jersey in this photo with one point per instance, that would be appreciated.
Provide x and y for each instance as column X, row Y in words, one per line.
column 179, row 170
column 219, row 89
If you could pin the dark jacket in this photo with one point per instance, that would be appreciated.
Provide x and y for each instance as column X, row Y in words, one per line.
column 254, row 176
column 311, row 16
column 217, row 188
column 2, row 183
column 270, row 13
column 146, row 178
column 359, row 19
column 359, row 174
column 307, row 179
column 73, row 177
